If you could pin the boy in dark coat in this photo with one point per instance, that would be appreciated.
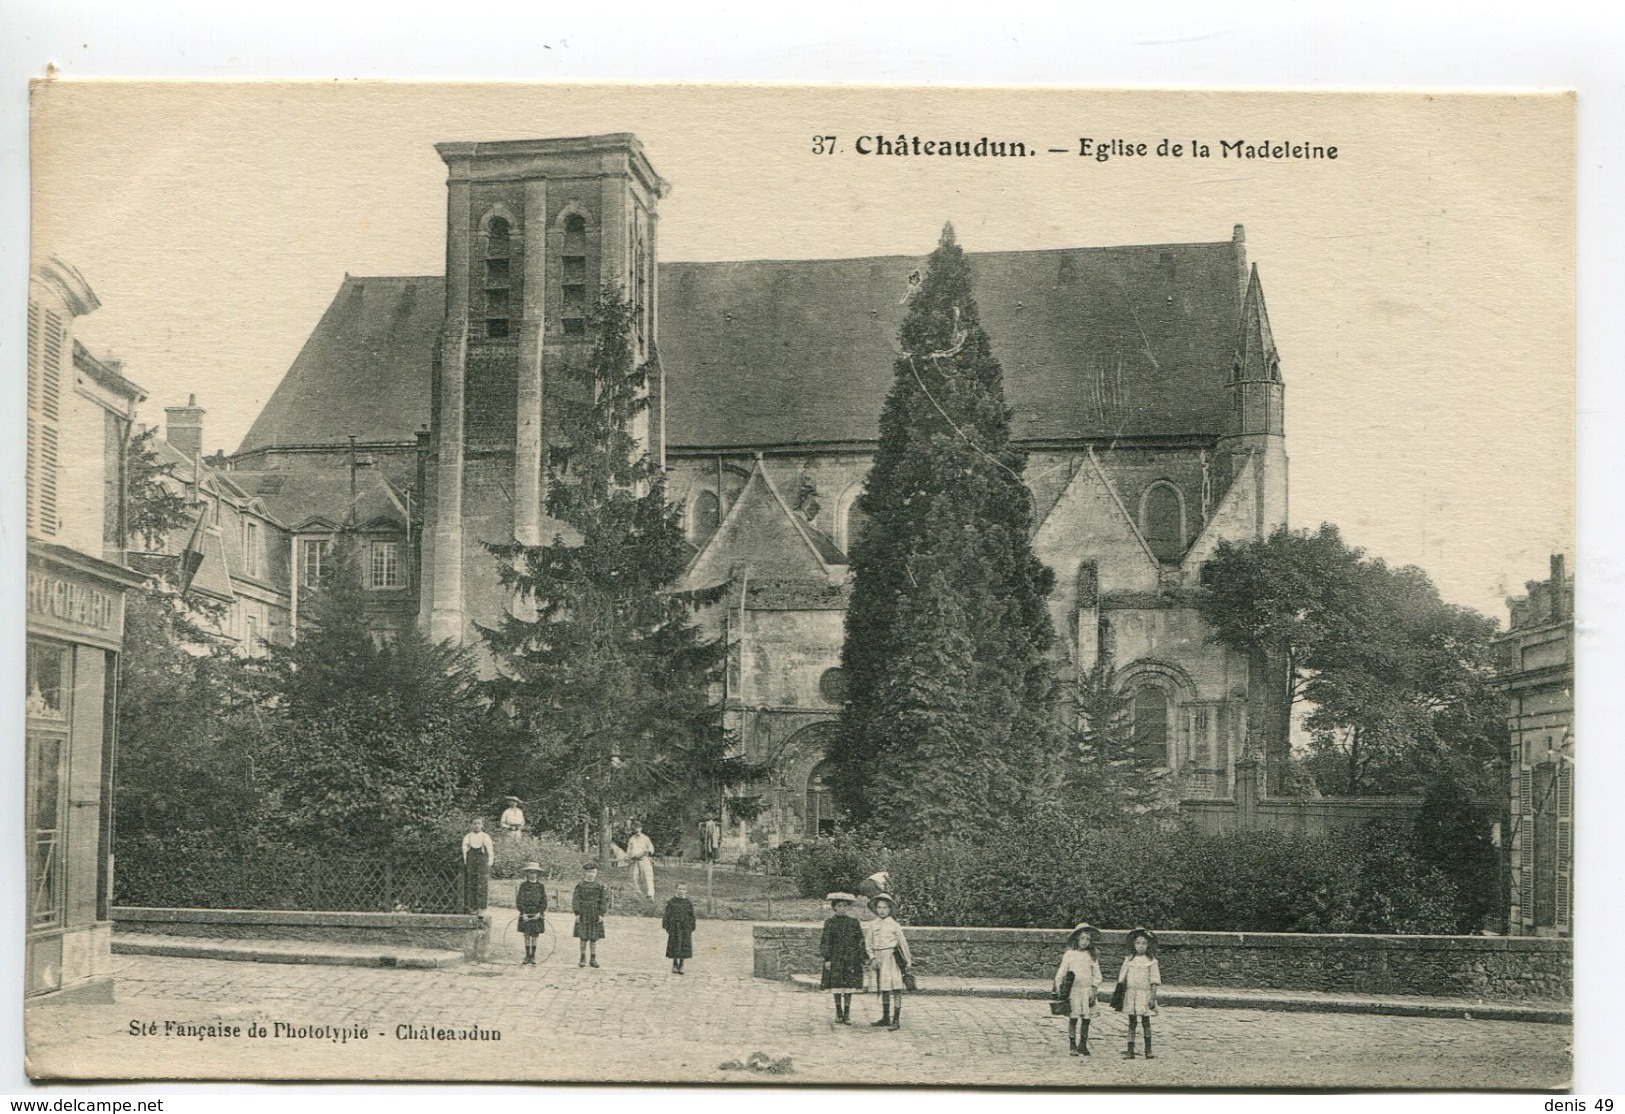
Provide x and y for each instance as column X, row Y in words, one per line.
column 679, row 925
column 590, row 901
column 846, row 957
column 531, row 900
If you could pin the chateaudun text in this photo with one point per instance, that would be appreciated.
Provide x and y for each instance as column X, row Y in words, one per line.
column 904, row 145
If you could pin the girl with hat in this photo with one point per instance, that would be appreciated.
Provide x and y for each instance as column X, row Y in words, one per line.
column 1137, row 981
column 889, row 959
column 1079, row 978
column 531, row 900
column 845, row 955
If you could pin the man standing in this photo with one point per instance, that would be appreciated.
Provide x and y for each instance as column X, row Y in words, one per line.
column 513, row 817
column 710, row 839
column 640, row 852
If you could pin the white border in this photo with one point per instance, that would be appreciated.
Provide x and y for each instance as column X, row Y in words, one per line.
column 1369, row 45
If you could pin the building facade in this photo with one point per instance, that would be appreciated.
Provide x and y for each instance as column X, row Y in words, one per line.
column 79, row 416
column 1537, row 663
column 1144, row 380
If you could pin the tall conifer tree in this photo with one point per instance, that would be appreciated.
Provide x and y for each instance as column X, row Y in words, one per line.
column 948, row 723
column 610, row 685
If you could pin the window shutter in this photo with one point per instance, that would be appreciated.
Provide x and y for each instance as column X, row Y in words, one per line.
column 51, row 371
column 1565, row 791
column 1525, row 795
column 48, row 521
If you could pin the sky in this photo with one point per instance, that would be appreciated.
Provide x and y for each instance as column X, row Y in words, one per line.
column 1420, row 286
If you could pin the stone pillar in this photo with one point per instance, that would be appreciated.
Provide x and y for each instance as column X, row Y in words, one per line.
column 528, row 483
column 1247, row 793
column 613, row 269
column 446, row 614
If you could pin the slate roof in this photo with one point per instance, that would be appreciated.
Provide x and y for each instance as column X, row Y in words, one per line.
column 299, row 498
column 1095, row 342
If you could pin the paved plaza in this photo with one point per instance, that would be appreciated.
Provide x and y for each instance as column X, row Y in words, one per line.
column 634, row 1020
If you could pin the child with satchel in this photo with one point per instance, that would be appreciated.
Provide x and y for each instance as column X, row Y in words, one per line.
column 1137, row 983
column 1077, row 987
column 889, row 960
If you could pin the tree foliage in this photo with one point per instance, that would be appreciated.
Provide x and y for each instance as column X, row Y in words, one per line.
column 1110, row 778
column 1400, row 685
column 153, row 508
column 948, row 721
column 608, row 688
column 373, row 741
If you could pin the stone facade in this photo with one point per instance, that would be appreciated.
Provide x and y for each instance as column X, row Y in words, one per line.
column 1144, row 384
column 1495, row 969
column 1537, row 662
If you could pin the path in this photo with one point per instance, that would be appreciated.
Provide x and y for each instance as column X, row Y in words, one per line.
column 634, row 1020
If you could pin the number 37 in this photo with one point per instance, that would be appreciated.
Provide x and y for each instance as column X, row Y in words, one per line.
column 823, row 145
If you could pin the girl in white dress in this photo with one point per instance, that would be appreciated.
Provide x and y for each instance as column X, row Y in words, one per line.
column 1081, row 963
column 888, row 959
column 1139, row 978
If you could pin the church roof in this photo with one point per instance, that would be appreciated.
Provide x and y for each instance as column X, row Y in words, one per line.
column 1095, row 342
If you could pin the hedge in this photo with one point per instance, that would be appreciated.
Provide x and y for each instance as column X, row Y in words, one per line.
column 1056, row 872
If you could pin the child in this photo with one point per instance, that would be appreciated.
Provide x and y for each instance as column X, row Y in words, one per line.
column 531, row 900
column 1139, row 977
column 889, row 957
column 589, row 900
column 845, row 955
column 679, row 925
column 1081, row 967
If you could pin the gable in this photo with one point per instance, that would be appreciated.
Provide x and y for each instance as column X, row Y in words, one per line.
column 1089, row 522
column 761, row 534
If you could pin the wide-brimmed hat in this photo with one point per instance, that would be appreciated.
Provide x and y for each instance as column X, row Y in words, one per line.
column 1150, row 937
column 514, row 800
column 1083, row 928
column 590, row 864
column 530, row 866
column 878, row 898
column 850, row 899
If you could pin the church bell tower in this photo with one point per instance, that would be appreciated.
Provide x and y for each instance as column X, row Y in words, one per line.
column 535, row 230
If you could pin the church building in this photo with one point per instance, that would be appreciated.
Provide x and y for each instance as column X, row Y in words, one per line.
column 1144, row 380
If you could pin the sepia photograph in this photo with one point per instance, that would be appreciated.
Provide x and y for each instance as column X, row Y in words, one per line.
column 771, row 585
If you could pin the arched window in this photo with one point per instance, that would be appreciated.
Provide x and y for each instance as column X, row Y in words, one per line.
column 853, row 522
column 573, row 262
column 705, row 517
column 498, row 277
column 1162, row 521
column 820, row 801
column 1150, row 713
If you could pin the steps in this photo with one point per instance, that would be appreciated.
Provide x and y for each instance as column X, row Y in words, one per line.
column 314, row 952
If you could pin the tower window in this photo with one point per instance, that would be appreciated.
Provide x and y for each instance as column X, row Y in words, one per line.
column 707, row 516
column 498, row 272
column 574, row 275
column 575, row 309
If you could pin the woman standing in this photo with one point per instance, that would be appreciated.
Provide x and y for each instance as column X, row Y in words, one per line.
column 478, row 853
column 845, row 955
column 1079, row 974
column 889, row 959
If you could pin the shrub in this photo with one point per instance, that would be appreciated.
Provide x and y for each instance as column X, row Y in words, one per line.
column 824, row 865
column 556, row 858
column 1057, row 871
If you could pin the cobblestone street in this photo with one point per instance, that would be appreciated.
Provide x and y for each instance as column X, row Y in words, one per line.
column 635, row 1020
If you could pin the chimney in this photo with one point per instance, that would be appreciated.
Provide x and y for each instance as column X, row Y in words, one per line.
column 183, row 427
column 1560, row 586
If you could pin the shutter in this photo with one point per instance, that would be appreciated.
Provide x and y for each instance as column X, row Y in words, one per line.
column 1526, row 845
column 1565, row 791
column 48, row 521
column 51, row 371
column 1526, row 893
column 1565, row 844
column 1526, row 804
column 35, row 356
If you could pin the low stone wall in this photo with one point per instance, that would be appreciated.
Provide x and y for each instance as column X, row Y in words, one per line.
column 462, row 932
column 1492, row 968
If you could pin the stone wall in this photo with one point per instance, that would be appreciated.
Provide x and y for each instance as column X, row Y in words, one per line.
column 1498, row 969
column 466, row 933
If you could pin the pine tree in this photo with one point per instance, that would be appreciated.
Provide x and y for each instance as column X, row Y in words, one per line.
column 609, row 687
column 947, row 728
column 1110, row 776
